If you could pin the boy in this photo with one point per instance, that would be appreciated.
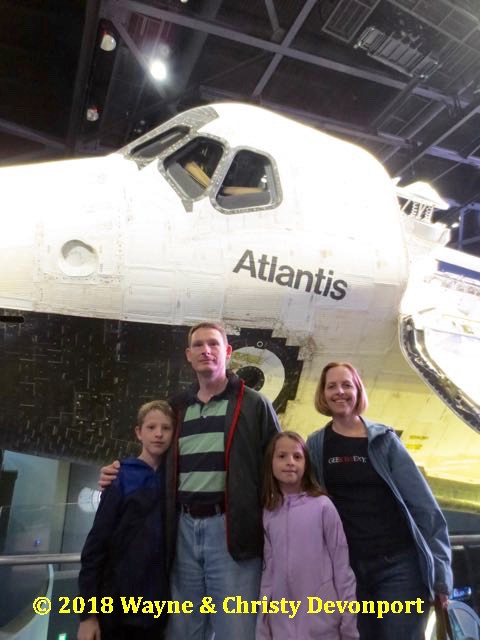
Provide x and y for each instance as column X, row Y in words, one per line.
column 124, row 553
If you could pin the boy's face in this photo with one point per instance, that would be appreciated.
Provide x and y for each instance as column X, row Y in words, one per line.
column 155, row 433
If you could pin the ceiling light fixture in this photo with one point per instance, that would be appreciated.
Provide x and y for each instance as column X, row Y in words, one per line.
column 107, row 42
column 158, row 70
column 92, row 114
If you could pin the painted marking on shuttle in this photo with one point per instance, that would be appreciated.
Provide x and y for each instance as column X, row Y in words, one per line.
column 287, row 276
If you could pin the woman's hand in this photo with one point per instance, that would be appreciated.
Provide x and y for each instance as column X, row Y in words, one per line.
column 442, row 598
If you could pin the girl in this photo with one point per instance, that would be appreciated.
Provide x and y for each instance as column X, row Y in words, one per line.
column 397, row 535
column 305, row 551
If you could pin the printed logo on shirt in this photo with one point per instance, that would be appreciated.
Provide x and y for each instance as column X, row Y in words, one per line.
column 347, row 459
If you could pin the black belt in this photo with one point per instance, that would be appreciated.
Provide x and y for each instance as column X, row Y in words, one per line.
column 202, row 510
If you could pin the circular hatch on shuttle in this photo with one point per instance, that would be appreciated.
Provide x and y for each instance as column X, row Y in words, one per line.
column 261, row 369
column 267, row 364
column 78, row 258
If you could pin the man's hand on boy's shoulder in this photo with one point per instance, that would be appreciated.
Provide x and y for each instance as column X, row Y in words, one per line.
column 108, row 474
column 89, row 629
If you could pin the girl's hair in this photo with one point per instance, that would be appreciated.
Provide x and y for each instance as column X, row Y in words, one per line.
column 321, row 404
column 154, row 405
column 272, row 496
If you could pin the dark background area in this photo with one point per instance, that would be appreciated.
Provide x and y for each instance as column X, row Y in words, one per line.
column 399, row 77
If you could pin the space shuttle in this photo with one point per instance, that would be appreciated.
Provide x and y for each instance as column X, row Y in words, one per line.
column 292, row 238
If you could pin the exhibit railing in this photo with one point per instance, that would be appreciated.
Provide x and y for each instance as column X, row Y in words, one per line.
column 39, row 594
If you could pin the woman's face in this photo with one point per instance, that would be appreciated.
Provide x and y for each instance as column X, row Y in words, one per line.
column 340, row 392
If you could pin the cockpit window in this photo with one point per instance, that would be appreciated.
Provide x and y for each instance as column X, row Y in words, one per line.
column 248, row 183
column 144, row 153
column 192, row 166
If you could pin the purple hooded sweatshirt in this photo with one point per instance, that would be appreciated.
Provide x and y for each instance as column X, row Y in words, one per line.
column 306, row 556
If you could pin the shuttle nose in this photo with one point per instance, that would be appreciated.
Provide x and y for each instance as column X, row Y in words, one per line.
column 62, row 246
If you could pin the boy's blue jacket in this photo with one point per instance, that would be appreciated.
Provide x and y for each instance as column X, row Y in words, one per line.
column 426, row 522
column 124, row 552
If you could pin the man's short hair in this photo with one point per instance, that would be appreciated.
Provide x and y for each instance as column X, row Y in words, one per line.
column 207, row 325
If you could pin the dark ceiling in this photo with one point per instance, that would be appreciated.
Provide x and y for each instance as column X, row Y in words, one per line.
column 400, row 77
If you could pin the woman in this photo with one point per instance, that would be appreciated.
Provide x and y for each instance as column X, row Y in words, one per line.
column 396, row 533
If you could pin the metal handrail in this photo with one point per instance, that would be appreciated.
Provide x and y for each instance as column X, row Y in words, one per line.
column 466, row 539
column 40, row 558
column 57, row 558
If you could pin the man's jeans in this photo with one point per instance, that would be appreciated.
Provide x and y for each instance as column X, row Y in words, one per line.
column 391, row 578
column 204, row 568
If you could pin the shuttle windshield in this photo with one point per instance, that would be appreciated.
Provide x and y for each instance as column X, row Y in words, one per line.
column 147, row 151
column 191, row 168
column 236, row 180
column 248, row 183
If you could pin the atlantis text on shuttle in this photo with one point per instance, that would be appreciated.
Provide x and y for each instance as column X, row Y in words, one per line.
column 266, row 268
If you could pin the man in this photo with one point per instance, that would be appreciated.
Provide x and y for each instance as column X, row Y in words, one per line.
column 215, row 471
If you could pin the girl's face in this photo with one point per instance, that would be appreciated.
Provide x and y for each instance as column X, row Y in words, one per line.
column 288, row 465
column 340, row 392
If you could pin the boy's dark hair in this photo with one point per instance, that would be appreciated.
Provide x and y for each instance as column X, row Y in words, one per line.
column 154, row 405
column 272, row 496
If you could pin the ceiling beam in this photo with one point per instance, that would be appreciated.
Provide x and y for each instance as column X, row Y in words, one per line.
column 7, row 126
column 33, row 156
column 192, row 49
column 137, row 53
column 437, row 27
column 87, row 49
column 397, row 102
column 211, row 28
column 272, row 16
column 469, row 241
column 337, row 126
column 277, row 58
column 436, row 139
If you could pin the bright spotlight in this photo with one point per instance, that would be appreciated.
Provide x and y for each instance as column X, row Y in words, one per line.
column 158, row 69
column 107, row 42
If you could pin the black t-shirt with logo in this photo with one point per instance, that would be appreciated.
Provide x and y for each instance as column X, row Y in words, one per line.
column 372, row 520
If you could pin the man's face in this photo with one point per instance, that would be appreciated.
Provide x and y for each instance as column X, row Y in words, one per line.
column 208, row 353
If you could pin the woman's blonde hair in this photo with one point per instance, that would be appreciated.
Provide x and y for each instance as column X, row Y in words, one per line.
column 272, row 496
column 321, row 404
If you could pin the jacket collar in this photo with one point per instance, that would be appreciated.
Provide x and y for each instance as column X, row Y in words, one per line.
column 375, row 429
column 189, row 396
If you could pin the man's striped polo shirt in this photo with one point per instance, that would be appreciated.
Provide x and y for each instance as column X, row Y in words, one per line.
column 201, row 447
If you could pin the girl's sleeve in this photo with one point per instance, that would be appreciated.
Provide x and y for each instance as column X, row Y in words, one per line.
column 343, row 576
column 263, row 627
column 94, row 555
